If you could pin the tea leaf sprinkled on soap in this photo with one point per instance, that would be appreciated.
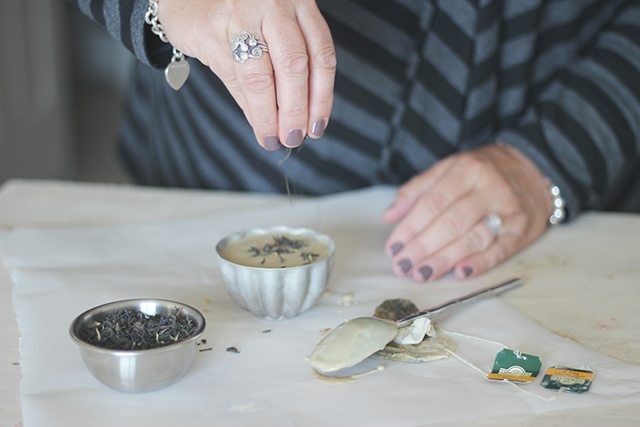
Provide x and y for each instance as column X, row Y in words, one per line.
column 280, row 246
column 308, row 257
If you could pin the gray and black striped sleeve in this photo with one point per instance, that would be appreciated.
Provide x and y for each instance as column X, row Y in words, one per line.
column 583, row 130
column 124, row 20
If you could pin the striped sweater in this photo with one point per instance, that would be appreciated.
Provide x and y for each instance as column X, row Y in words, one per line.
column 417, row 80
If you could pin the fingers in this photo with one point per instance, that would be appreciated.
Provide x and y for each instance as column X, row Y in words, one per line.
column 474, row 241
column 227, row 73
column 290, row 60
column 254, row 79
column 506, row 245
column 471, row 254
column 413, row 189
column 322, row 70
column 454, row 223
column 427, row 207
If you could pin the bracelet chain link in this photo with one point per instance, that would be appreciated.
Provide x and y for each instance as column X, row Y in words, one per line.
column 177, row 71
column 151, row 18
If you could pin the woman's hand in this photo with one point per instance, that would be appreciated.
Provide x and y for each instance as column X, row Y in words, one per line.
column 440, row 213
column 287, row 93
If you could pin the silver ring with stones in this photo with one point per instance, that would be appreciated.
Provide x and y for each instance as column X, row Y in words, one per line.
column 494, row 223
column 246, row 46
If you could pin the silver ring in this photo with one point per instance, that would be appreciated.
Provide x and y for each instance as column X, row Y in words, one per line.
column 246, row 45
column 494, row 223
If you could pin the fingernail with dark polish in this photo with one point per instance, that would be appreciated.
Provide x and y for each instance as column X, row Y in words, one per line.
column 271, row 143
column 467, row 271
column 317, row 128
column 405, row 265
column 396, row 247
column 294, row 138
column 426, row 272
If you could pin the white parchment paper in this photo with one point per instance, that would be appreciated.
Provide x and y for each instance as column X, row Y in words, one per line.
column 61, row 272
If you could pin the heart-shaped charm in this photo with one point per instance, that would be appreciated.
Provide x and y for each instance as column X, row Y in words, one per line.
column 177, row 73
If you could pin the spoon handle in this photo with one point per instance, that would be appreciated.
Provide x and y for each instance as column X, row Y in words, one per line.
column 491, row 290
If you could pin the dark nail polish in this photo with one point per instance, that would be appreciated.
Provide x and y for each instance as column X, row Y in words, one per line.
column 426, row 272
column 317, row 128
column 405, row 265
column 467, row 271
column 294, row 138
column 396, row 247
column 271, row 143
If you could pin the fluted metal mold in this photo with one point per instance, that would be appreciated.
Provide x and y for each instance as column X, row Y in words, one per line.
column 276, row 293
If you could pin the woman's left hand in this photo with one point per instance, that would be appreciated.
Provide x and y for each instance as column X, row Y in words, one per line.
column 440, row 214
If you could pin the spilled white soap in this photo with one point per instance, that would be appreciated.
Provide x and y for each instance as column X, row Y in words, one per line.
column 415, row 332
column 354, row 340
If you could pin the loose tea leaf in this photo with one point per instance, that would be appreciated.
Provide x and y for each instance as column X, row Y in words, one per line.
column 280, row 246
column 233, row 350
column 308, row 257
column 130, row 329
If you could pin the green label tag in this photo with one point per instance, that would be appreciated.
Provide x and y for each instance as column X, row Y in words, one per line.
column 570, row 379
column 512, row 365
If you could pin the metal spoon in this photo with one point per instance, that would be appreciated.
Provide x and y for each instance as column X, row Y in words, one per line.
column 354, row 340
column 433, row 311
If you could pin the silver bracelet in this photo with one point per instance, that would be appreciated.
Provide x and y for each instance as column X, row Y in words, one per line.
column 177, row 72
column 559, row 211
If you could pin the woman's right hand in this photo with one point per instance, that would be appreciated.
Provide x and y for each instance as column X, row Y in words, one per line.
column 287, row 93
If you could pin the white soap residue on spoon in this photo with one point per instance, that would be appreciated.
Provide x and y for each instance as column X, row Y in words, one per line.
column 352, row 342
column 355, row 340
column 415, row 332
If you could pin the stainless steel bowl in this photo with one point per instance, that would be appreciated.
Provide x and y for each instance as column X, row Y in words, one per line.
column 140, row 370
column 276, row 293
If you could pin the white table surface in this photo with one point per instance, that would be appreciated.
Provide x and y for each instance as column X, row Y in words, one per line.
column 583, row 279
